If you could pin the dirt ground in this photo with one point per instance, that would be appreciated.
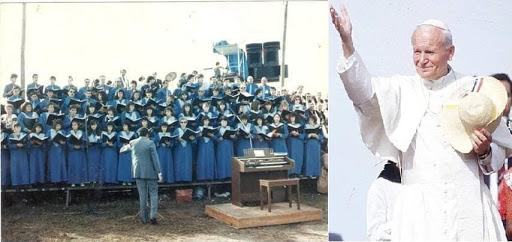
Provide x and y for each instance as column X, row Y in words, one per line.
column 42, row 216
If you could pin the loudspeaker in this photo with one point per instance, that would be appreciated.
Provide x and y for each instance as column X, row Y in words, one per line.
column 254, row 54
column 271, row 53
column 272, row 73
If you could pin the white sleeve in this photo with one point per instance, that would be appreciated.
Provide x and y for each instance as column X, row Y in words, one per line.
column 355, row 78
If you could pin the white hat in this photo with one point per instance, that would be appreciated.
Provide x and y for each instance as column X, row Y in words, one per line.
column 475, row 106
column 436, row 23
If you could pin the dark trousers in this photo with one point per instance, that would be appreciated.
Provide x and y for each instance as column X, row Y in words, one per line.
column 147, row 187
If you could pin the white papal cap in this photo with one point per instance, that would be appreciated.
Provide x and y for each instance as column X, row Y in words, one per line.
column 436, row 23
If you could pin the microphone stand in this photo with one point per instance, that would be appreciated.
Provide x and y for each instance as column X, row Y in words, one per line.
column 90, row 208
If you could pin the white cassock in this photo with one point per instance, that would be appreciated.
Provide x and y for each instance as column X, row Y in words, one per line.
column 444, row 196
column 379, row 208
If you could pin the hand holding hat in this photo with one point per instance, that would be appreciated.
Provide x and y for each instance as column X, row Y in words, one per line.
column 468, row 120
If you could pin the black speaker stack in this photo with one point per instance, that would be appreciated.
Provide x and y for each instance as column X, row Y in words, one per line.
column 263, row 61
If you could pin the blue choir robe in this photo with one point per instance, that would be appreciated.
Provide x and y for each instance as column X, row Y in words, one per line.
column 162, row 93
column 279, row 144
column 109, row 159
column 170, row 120
column 205, row 169
column 182, row 158
column 228, row 113
column 242, row 142
column 77, row 165
column 66, row 124
column 154, row 122
column 6, row 171
column 86, row 103
column 312, row 162
column 212, row 115
column 165, row 156
column 57, row 171
column 114, row 103
column 260, row 141
column 93, row 157
column 66, row 103
column 37, row 160
column 81, row 91
column 223, row 154
column 22, row 116
column 113, row 93
column 251, row 88
column 14, row 98
column 124, row 169
column 131, row 116
column 295, row 145
column 19, row 160
column 42, row 120
column 9, row 88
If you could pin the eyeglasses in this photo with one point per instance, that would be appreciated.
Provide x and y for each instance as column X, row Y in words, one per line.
column 183, row 122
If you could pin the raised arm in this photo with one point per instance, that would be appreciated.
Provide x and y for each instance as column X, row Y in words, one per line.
column 344, row 27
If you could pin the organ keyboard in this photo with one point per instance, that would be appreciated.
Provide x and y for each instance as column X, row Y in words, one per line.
column 255, row 165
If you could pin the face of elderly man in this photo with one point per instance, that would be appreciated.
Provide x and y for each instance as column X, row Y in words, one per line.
column 431, row 54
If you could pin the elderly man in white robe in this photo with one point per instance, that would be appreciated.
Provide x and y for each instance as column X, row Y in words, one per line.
column 443, row 194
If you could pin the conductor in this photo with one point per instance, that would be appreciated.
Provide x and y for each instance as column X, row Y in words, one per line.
column 146, row 172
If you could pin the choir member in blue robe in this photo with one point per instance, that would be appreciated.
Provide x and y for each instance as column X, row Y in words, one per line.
column 77, row 165
column 223, row 110
column 153, row 120
column 205, row 169
column 66, row 102
column 136, row 97
column 244, row 135
column 163, row 93
column 73, row 112
column 6, row 171
column 183, row 154
column 207, row 112
column 19, row 160
column 57, row 171
column 118, row 99
column 259, row 132
column 93, row 151
column 27, row 113
column 132, row 115
column 88, row 102
column 188, row 115
column 224, row 151
column 8, row 90
column 124, row 174
column 169, row 119
column 36, row 103
column 109, row 158
column 16, row 98
column 279, row 135
column 44, row 117
column 313, row 141
column 37, row 155
column 250, row 85
column 112, row 118
column 164, row 146
column 295, row 143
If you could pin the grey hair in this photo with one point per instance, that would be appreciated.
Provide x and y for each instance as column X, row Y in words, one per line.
column 447, row 40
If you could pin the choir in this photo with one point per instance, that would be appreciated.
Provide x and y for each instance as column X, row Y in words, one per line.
column 72, row 136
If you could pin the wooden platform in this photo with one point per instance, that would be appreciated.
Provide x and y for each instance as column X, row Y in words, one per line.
column 249, row 217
